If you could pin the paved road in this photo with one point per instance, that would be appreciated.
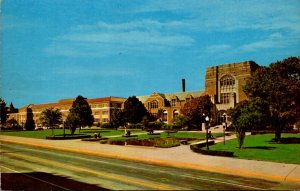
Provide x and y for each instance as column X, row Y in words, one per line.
column 30, row 168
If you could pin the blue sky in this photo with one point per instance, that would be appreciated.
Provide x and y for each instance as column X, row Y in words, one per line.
column 56, row 49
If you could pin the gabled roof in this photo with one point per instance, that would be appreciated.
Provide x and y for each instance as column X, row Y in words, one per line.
column 169, row 96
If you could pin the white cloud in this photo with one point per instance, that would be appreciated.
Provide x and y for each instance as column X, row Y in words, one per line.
column 105, row 39
column 275, row 40
column 231, row 15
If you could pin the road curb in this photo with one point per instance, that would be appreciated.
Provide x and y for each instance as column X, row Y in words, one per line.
column 162, row 162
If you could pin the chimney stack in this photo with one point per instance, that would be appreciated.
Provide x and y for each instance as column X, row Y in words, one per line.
column 183, row 85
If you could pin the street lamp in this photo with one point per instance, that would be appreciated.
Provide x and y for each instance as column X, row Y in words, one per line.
column 64, row 123
column 206, row 128
column 224, row 125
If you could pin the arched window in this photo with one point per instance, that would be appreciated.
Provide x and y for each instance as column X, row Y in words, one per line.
column 165, row 116
column 227, row 82
column 175, row 115
column 154, row 104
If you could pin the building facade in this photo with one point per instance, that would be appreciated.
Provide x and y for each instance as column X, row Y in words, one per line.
column 224, row 84
column 101, row 109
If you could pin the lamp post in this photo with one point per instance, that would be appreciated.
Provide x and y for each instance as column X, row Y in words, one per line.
column 64, row 128
column 224, row 125
column 206, row 128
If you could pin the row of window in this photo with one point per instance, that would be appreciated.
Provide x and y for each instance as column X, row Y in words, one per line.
column 154, row 104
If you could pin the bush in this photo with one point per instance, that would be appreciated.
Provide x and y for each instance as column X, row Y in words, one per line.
column 135, row 126
column 211, row 152
column 67, row 136
column 167, row 126
column 116, row 142
column 104, row 141
column 198, row 148
column 106, row 126
column 155, row 125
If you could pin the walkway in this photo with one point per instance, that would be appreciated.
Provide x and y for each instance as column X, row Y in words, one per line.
column 180, row 156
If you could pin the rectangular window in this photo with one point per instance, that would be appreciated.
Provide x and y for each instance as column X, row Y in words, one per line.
column 173, row 102
column 104, row 112
column 225, row 98
column 105, row 120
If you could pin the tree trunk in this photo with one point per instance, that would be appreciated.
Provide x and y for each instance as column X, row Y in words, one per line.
column 278, row 133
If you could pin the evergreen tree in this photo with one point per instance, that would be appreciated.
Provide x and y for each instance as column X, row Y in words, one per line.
column 3, row 111
column 29, row 124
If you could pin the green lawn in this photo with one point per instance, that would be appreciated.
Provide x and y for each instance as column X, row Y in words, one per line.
column 261, row 147
column 41, row 134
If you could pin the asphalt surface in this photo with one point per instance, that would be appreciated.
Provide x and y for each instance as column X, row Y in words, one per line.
column 33, row 168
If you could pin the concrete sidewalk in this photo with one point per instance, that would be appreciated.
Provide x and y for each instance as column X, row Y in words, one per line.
column 180, row 156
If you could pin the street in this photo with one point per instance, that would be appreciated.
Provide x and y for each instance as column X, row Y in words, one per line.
column 31, row 168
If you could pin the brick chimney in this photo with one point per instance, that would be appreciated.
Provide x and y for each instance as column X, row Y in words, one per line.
column 183, row 85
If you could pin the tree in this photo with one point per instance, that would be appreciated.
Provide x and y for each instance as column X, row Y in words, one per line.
column 51, row 118
column 29, row 123
column 80, row 115
column 278, row 85
column 13, row 123
column 134, row 110
column 117, row 118
column 3, row 111
column 248, row 115
column 196, row 108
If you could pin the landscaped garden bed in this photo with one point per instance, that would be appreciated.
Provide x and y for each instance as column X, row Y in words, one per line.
column 67, row 136
column 201, row 148
column 155, row 142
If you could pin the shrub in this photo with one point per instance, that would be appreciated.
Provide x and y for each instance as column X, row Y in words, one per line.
column 116, row 142
column 135, row 126
column 103, row 141
column 167, row 126
column 105, row 126
column 198, row 149
column 155, row 125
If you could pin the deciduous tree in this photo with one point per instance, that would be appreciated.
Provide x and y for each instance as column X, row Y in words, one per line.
column 134, row 110
column 117, row 118
column 278, row 85
column 196, row 108
column 80, row 115
column 51, row 118
column 248, row 115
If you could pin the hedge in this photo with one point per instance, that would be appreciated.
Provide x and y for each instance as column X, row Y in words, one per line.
column 67, row 136
column 211, row 152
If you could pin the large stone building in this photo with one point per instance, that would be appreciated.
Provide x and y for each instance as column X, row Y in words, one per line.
column 169, row 104
column 223, row 83
column 101, row 109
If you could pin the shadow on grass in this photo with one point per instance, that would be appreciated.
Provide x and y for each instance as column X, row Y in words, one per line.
column 288, row 140
column 42, row 181
column 260, row 147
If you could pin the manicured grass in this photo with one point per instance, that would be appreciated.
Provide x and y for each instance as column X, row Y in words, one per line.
column 261, row 147
column 41, row 134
